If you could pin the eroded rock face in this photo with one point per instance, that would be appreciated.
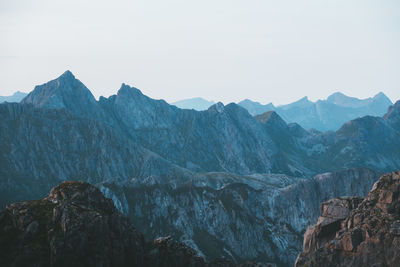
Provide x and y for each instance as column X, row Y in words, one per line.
column 333, row 212
column 74, row 226
column 77, row 226
column 263, row 219
column 368, row 236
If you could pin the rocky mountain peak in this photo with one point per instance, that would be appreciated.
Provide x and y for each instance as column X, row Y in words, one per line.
column 380, row 95
column 348, row 234
column 64, row 92
column 67, row 75
column 217, row 107
column 382, row 99
column 302, row 102
column 267, row 116
column 128, row 91
column 337, row 97
column 343, row 100
column 271, row 119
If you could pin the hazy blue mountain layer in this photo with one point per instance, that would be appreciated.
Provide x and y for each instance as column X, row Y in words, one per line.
column 15, row 98
column 324, row 115
column 196, row 103
column 205, row 177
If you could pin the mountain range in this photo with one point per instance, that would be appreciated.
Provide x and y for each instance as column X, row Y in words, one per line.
column 322, row 115
column 221, row 180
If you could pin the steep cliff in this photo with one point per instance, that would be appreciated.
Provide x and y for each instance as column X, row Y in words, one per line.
column 242, row 218
column 348, row 234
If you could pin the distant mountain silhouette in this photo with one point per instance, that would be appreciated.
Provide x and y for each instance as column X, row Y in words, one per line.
column 324, row 115
column 15, row 98
column 196, row 103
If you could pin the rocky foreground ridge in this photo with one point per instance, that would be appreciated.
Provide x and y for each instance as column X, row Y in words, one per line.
column 356, row 232
column 77, row 226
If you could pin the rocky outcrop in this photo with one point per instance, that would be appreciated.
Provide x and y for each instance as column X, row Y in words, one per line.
column 333, row 212
column 74, row 226
column 348, row 234
column 77, row 226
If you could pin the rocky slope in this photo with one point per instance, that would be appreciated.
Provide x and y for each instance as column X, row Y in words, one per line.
column 324, row 115
column 242, row 218
column 77, row 226
column 42, row 147
column 64, row 92
column 350, row 233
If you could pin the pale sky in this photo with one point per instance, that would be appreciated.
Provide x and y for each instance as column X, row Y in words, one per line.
column 222, row 50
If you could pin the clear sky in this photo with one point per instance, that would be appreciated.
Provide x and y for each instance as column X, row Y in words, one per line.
column 226, row 50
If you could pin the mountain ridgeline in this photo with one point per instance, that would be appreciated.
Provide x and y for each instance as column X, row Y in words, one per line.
column 224, row 138
column 324, row 115
column 221, row 180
